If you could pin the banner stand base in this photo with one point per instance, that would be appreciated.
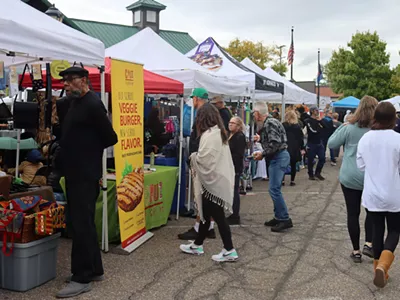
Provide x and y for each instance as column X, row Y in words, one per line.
column 132, row 247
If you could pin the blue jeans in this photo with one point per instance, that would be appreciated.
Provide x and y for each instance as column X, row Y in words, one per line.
column 277, row 167
column 314, row 150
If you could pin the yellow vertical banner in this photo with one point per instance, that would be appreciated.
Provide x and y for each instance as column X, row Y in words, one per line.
column 127, row 96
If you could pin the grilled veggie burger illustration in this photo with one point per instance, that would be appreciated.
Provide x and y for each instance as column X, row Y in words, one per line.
column 130, row 190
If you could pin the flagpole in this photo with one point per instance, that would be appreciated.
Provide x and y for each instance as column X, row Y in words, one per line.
column 318, row 79
column 291, row 66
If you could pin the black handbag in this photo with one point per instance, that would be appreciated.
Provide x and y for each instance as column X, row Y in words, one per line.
column 25, row 114
column 5, row 113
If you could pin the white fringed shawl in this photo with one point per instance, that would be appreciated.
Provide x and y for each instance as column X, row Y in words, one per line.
column 213, row 171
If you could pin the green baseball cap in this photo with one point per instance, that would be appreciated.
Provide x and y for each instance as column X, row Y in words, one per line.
column 200, row 93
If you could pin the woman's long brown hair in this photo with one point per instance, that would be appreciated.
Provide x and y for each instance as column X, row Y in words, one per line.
column 364, row 114
column 207, row 117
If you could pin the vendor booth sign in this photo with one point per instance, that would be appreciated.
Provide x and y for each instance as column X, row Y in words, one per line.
column 127, row 90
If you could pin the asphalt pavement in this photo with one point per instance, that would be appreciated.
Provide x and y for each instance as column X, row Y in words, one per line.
column 308, row 262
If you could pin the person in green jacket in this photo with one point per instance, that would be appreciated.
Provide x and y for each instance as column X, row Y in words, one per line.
column 350, row 177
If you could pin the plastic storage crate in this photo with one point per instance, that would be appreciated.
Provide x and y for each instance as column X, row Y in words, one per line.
column 30, row 265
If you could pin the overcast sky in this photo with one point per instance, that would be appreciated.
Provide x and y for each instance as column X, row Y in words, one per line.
column 324, row 24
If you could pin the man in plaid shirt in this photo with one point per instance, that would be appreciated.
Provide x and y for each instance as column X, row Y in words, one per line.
column 274, row 142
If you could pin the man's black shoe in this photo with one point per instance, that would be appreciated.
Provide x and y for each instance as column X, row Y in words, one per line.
column 232, row 220
column 319, row 177
column 211, row 234
column 188, row 214
column 283, row 225
column 242, row 191
column 191, row 234
column 272, row 223
column 312, row 178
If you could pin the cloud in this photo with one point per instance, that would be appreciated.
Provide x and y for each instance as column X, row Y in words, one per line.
column 318, row 24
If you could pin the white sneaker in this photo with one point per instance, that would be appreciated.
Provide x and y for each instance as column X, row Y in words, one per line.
column 333, row 164
column 192, row 249
column 226, row 256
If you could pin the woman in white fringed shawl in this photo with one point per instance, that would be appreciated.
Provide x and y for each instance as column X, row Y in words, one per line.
column 213, row 180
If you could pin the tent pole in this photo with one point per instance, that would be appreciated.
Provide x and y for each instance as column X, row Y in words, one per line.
column 283, row 108
column 190, row 172
column 252, row 123
column 180, row 160
column 18, row 141
column 105, row 204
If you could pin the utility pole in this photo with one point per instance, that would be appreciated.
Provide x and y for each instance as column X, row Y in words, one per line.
column 280, row 53
column 318, row 78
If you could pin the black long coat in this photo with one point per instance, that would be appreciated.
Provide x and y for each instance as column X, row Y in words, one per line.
column 295, row 140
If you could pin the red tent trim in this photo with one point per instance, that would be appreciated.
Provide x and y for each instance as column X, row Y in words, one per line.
column 153, row 83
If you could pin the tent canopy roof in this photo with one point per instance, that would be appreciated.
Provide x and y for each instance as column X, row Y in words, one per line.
column 157, row 55
column 394, row 100
column 212, row 56
column 32, row 35
column 350, row 102
column 293, row 94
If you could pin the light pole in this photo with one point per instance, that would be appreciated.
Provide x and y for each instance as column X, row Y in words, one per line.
column 55, row 13
column 280, row 53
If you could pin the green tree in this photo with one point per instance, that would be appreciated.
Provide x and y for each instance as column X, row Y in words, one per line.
column 280, row 67
column 362, row 69
column 256, row 52
column 395, row 82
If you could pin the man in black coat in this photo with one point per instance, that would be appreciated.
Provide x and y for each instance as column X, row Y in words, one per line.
column 223, row 111
column 86, row 132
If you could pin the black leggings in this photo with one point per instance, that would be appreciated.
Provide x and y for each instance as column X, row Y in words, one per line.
column 392, row 238
column 210, row 209
column 293, row 169
column 353, row 205
column 236, row 197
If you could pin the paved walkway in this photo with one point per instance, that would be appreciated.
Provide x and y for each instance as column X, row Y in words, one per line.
column 309, row 262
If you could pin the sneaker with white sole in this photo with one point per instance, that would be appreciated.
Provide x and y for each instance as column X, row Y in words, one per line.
column 226, row 256
column 192, row 249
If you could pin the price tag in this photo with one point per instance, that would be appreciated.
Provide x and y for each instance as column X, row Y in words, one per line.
column 37, row 72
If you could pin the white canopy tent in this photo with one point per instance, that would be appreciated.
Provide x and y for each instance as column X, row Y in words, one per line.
column 212, row 57
column 27, row 36
column 395, row 101
column 32, row 35
column 158, row 56
column 292, row 95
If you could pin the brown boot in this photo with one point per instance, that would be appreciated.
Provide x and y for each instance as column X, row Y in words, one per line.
column 382, row 269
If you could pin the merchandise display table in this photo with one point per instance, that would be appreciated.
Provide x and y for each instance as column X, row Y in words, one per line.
column 159, row 189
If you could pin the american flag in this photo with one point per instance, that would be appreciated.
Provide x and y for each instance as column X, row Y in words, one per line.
column 291, row 53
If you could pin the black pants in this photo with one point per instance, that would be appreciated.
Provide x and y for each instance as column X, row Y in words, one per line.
column 236, row 197
column 314, row 150
column 210, row 209
column 353, row 205
column 392, row 239
column 293, row 170
column 85, row 257
column 267, row 165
